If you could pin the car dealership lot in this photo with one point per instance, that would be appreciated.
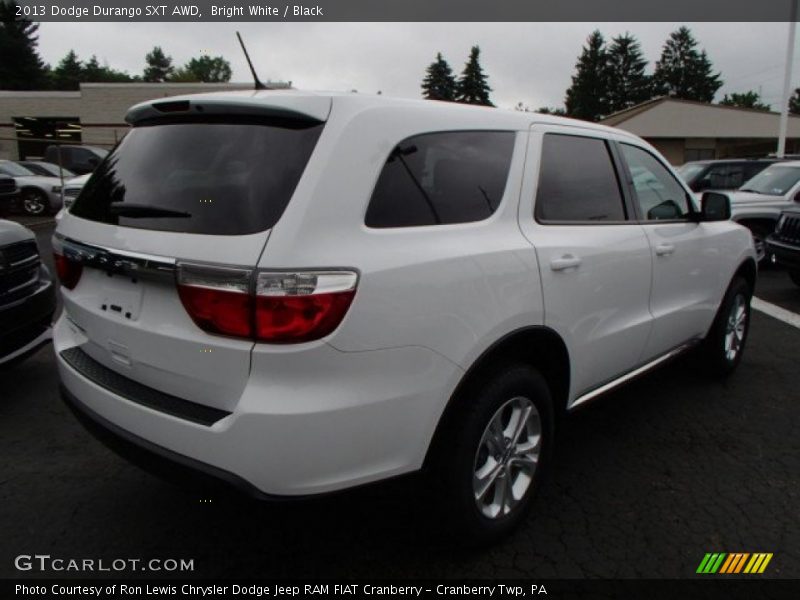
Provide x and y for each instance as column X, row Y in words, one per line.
column 646, row 481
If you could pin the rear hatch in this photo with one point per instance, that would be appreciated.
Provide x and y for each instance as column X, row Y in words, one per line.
column 188, row 197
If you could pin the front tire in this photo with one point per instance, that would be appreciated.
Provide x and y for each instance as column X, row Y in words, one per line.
column 34, row 202
column 724, row 345
column 493, row 457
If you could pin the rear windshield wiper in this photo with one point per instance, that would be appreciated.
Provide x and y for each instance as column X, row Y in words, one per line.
column 145, row 211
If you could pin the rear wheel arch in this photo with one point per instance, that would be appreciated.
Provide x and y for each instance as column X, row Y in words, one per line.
column 539, row 347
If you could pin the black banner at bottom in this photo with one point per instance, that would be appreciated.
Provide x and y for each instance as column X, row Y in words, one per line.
column 648, row 589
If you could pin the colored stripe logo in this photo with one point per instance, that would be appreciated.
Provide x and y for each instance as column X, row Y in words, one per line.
column 734, row 563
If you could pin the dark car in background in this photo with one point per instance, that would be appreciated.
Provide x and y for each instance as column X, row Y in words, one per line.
column 784, row 244
column 27, row 294
column 46, row 169
column 728, row 174
column 78, row 159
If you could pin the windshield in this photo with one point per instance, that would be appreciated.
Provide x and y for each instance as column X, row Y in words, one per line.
column 14, row 170
column 773, row 181
column 689, row 171
column 219, row 178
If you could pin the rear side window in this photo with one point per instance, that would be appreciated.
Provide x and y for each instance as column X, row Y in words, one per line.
column 442, row 178
column 218, row 178
column 577, row 181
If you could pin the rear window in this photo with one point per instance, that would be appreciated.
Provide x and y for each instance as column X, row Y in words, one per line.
column 218, row 178
column 442, row 178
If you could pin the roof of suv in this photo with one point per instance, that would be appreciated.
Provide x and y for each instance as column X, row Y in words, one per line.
column 318, row 105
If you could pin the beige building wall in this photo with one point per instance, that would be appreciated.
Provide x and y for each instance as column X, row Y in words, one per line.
column 100, row 108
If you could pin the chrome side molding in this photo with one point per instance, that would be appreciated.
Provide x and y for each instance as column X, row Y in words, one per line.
column 629, row 375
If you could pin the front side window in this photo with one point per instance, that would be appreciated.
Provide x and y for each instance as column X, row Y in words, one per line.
column 577, row 181
column 442, row 178
column 658, row 193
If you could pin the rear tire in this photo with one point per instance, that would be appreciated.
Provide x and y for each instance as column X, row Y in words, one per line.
column 723, row 347
column 489, row 464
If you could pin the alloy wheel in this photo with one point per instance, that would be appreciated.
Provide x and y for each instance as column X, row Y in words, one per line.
column 507, row 457
column 735, row 327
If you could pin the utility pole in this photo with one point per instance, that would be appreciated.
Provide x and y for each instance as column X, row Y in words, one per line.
column 787, row 81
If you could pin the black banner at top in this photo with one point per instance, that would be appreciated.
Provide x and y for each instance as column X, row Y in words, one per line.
column 409, row 10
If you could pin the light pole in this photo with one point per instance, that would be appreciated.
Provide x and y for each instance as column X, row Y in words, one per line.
column 787, row 81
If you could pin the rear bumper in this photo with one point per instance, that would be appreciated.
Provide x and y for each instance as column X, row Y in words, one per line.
column 153, row 458
column 785, row 255
column 25, row 325
column 307, row 422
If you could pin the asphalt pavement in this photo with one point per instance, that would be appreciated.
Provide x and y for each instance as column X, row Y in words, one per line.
column 646, row 481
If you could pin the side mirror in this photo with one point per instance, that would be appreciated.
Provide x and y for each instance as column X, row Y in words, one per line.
column 715, row 207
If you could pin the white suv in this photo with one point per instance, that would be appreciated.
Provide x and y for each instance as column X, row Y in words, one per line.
column 299, row 293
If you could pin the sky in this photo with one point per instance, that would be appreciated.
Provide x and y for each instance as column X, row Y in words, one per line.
column 526, row 62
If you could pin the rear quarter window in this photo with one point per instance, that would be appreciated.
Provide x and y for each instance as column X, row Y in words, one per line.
column 442, row 178
column 211, row 177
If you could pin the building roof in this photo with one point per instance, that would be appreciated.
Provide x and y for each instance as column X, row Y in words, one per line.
column 667, row 117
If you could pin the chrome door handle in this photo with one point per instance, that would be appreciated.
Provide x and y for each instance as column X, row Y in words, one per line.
column 568, row 261
column 665, row 249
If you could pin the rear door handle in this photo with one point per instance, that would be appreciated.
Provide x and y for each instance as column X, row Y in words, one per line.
column 568, row 261
column 665, row 249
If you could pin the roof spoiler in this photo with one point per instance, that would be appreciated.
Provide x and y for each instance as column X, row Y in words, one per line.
column 300, row 108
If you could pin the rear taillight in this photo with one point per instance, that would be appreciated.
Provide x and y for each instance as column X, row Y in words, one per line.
column 279, row 307
column 217, row 299
column 68, row 270
column 299, row 307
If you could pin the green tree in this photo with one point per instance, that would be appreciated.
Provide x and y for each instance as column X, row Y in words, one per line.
column 21, row 68
column 794, row 102
column 159, row 66
column 439, row 83
column 548, row 110
column 208, row 69
column 628, row 85
column 69, row 72
column 683, row 71
column 94, row 72
column 587, row 97
column 472, row 87
column 749, row 99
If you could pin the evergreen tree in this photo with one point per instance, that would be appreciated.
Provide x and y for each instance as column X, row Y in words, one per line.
column 159, row 66
column 94, row 72
column 21, row 68
column 628, row 85
column 587, row 97
column 472, row 87
column 69, row 72
column 683, row 72
column 749, row 99
column 794, row 102
column 439, row 83
column 548, row 110
column 208, row 69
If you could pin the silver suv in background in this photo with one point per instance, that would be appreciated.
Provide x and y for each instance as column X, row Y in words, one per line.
column 299, row 293
column 758, row 203
column 38, row 195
